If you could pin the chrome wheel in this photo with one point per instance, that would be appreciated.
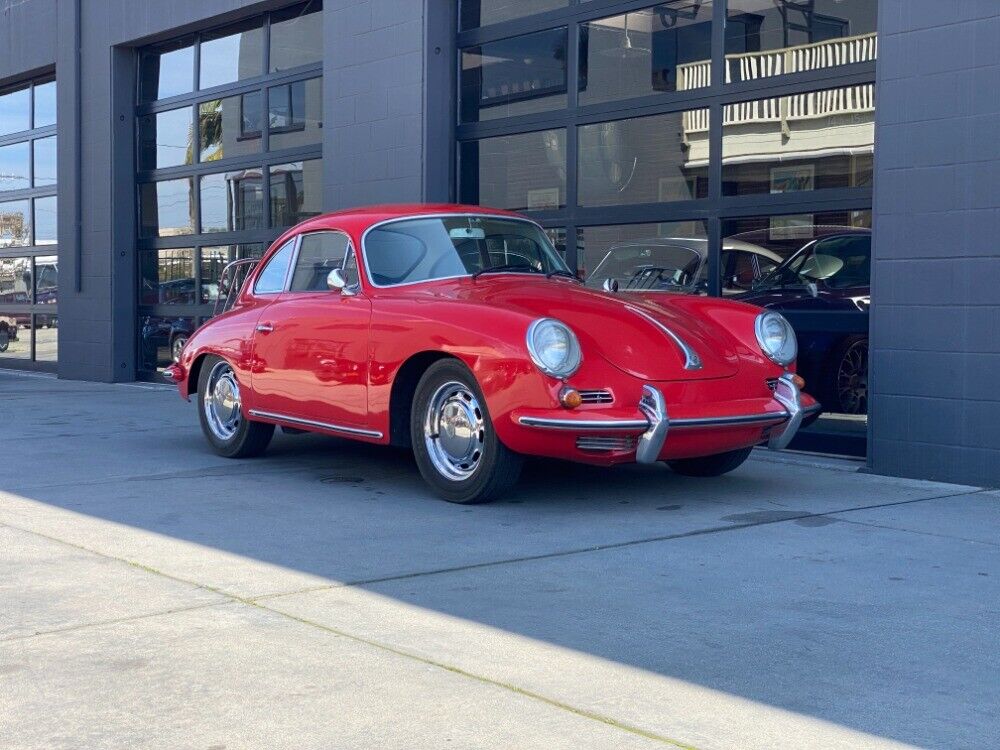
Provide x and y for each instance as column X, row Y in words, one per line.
column 221, row 402
column 454, row 431
column 852, row 379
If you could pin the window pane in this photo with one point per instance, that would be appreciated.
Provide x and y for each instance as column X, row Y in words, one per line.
column 514, row 76
column 45, row 162
column 664, row 48
column 46, row 338
column 45, row 104
column 15, row 223
column 520, row 172
column 296, row 191
column 165, row 208
column 167, row 71
column 231, row 54
column 159, row 340
column 167, row 277
column 811, row 141
column 296, row 37
column 15, row 335
column 319, row 253
column 232, row 201
column 643, row 160
column 14, row 167
column 295, row 114
column 46, row 280
column 230, row 127
column 823, row 287
column 213, row 260
column 670, row 257
column 15, row 111
column 272, row 278
column 15, row 281
column 46, row 220
column 165, row 139
column 484, row 12
column 764, row 38
column 250, row 250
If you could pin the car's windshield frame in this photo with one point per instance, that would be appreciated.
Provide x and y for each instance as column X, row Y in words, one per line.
column 369, row 279
column 791, row 267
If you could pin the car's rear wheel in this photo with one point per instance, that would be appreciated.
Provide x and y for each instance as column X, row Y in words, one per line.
column 4, row 339
column 850, row 387
column 457, row 449
column 226, row 428
column 711, row 466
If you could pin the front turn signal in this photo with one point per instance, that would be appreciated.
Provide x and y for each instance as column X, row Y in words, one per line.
column 570, row 398
column 800, row 382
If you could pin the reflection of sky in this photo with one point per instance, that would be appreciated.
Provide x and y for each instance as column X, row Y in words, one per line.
column 45, row 162
column 45, row 220
column 173, row 136
column 231, row 58
column 14, row 167
column 14, row 110
column 45, row 104
column 176, row 72
column 173, row 206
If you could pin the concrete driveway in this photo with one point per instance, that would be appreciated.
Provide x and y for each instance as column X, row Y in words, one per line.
column 153, row 595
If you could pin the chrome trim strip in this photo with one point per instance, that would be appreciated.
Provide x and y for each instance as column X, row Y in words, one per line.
column 654, row 406
column 312, row 423
column 691, row 359
column 788, row 395
column 778, row 416
column 584, row 425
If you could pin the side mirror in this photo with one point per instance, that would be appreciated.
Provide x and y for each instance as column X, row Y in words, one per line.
column 335, row 281
column 610, row 285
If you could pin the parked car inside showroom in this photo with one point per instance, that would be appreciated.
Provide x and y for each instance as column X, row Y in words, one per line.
column 461, row 333
column 8, row 332
column 824, row 290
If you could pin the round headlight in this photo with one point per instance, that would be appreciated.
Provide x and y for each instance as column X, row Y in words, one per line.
column 553, row 347
column 776, row 338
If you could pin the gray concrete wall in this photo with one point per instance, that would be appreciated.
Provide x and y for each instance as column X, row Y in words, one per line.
column 935, row 319
column 27, row 37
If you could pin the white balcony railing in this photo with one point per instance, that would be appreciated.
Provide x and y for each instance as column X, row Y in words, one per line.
column 755, row 65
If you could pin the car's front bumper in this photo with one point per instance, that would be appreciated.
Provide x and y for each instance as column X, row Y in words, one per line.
column 652, row 431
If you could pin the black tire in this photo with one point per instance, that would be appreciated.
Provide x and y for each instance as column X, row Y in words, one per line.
column 846, row 386
column 711, row 466
column 4, row 339
column 487, row 469
column 177, row 344
column 247, row 438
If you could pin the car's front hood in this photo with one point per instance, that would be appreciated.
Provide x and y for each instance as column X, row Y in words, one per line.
column 644, row 337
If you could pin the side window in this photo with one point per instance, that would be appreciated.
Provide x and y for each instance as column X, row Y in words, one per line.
column 272, row 278
column 319, row 253
column 351, row 269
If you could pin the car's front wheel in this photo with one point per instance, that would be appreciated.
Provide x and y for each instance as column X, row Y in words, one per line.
column 457, row 450
column 711, row 466
column 226, row 428
column 4, row 339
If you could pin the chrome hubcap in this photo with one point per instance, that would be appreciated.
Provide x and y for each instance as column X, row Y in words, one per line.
column 221, row 402
column 454, row 431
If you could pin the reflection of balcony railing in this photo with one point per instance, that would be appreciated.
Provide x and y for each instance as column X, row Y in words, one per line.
column 750, row 66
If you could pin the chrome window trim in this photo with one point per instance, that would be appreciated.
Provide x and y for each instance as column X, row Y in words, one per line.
column 452, row 215
column 313, row 423
column 298, row 249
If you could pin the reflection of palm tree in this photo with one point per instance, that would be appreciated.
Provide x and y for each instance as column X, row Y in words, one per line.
column 210, row 123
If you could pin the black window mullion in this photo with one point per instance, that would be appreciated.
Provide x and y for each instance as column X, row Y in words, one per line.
column 266, row 44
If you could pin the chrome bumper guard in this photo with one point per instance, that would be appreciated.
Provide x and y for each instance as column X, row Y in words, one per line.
column 657, row 422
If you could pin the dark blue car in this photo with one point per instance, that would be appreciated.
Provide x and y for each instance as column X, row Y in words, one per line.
column 824, row 290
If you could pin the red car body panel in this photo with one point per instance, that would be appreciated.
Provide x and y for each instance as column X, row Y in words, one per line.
column 333, row 359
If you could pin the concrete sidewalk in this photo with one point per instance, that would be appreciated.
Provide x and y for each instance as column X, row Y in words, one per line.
column 153, row 595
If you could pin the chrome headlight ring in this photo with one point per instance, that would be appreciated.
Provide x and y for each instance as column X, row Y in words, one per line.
column 553, row 347
column 776, row 338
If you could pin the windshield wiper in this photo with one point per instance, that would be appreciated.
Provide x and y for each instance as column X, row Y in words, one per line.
column 560, row 272
column 505, row 267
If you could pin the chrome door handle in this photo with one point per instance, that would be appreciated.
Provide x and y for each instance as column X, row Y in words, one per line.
column 264, row 327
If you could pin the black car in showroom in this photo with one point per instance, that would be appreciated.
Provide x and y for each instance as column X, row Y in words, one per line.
column 824, row 290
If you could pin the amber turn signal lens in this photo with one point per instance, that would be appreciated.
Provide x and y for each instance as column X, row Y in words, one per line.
column 800, row 382
column 570, row 398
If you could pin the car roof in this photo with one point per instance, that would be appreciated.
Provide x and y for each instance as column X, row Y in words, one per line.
column 697, row 244
column 362, row 217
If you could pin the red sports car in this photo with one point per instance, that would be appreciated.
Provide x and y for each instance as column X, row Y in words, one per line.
column 460, row 331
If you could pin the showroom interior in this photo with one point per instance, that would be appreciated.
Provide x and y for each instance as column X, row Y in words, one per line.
column 730, row 142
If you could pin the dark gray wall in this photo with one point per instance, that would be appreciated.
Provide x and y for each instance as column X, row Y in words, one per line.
column 935, row 319
column 27, row 37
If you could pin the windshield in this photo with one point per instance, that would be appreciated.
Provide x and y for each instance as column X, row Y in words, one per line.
column 836, row 262
column 411, row 250
column 650, row 267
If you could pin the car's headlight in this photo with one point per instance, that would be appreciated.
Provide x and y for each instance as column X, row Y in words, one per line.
column 553, row 347
column 776, row 338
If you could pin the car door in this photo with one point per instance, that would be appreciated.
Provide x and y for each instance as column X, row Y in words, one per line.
column 312, row 343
